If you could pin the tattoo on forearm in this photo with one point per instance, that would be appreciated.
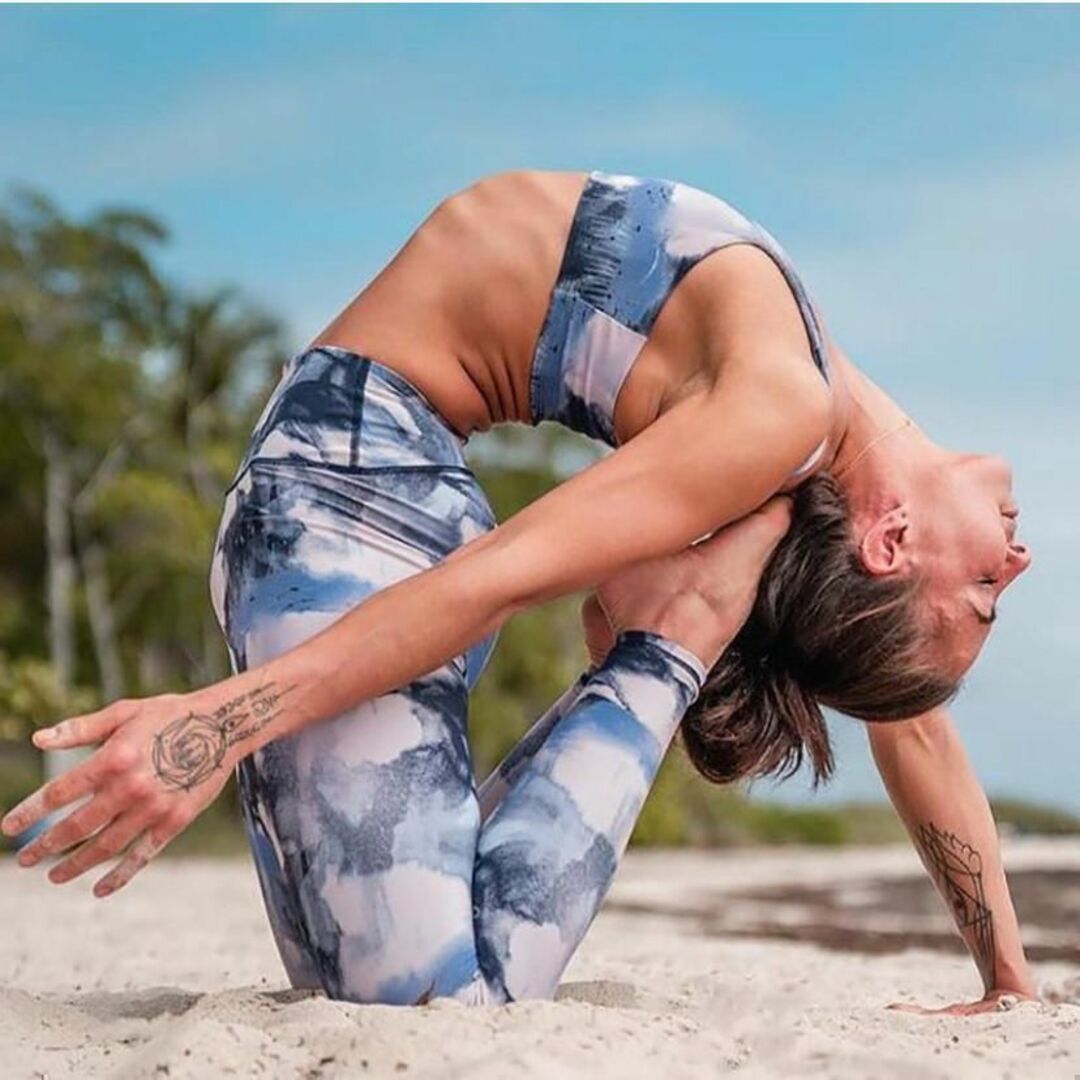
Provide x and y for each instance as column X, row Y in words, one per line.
column 191, row 748
column 957, row 869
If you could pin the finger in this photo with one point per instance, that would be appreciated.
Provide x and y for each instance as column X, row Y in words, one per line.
column 81, row 730
column 107, row 844
column 763, row 527
column 72, row 830
column 781, row 503
column 142, row 851
column 774, row 517
column 72, row 785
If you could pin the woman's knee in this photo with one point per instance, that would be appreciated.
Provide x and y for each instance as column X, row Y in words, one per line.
column 375, row 819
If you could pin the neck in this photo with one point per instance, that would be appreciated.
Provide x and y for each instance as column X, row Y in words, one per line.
column 874, row 472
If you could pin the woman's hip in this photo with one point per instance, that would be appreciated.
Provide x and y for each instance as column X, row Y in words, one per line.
column 343, row 410
column 339, row 496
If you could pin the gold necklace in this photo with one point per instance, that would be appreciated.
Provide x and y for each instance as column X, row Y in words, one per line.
column 906, row 422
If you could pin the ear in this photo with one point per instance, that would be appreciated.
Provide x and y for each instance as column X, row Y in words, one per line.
column 885, row 547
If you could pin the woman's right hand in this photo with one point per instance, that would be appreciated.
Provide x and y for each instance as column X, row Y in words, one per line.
column 699, row 597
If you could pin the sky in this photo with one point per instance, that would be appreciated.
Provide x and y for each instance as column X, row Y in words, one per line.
column 921, row 164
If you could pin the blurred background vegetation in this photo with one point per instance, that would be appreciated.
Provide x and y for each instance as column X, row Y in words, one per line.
column 125, row 405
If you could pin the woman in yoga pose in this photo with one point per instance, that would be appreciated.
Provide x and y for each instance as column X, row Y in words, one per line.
column 360, row 580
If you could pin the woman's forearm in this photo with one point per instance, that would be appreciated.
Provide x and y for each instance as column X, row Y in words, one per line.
column 403, row 632
column 941, row 802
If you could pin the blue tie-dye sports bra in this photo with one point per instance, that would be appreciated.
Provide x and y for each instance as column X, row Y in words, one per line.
column 631, row 241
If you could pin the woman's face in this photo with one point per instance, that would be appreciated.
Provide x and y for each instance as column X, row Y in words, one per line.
column 965, row 536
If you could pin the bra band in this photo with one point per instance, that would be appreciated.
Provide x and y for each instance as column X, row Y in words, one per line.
column 631, row 241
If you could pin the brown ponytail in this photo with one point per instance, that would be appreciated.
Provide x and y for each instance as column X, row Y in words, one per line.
column 823, row 631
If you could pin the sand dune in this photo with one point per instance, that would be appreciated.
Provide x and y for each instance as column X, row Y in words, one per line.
column 694, row 968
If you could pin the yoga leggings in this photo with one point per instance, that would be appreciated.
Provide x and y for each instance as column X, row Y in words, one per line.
column 387, row 875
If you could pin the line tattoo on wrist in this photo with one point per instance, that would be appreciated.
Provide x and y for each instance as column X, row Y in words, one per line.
column 193, row 747
column 957, row 869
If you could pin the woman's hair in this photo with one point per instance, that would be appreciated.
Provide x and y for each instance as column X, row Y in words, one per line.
column 823, row 631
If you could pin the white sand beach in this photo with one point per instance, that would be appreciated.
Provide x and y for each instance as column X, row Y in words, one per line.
column 774, row 963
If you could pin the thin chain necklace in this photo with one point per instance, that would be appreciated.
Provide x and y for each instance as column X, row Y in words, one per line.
column 906, row 422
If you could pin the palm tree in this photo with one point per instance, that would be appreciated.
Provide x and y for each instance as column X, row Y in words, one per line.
column 222, row 349
column 77, row 300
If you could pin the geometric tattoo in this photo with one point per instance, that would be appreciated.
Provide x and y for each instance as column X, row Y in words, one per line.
column 957, row 869
column 191, row 748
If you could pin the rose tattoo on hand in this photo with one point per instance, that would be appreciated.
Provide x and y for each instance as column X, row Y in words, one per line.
column 191, row 748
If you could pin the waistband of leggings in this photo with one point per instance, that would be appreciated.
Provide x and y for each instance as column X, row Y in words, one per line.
column 381, row 371
column 370, row 417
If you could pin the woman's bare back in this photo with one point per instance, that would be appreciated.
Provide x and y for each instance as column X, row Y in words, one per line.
column 459, row 308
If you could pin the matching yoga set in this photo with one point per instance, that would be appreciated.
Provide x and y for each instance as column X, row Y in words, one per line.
column 389, row 875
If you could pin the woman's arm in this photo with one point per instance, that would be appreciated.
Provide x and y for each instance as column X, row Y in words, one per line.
column 709, row 460
column 939, row 799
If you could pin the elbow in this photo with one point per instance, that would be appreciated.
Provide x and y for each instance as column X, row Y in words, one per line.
column 808, row 403
column 793, row 407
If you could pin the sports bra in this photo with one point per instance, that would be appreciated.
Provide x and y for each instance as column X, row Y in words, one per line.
column 631, row 241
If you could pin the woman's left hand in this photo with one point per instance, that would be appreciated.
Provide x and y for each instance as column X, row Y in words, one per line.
column 994, row 1001
column 162, row 761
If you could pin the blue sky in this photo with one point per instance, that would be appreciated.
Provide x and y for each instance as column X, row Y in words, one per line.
column 921, row 164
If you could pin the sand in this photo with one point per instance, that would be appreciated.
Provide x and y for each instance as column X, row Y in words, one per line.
column 771, row 963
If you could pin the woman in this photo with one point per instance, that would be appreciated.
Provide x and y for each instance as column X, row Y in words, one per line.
column 656, row 318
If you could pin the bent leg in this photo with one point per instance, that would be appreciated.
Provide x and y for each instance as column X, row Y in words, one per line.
column 372, row 822
column 548, row 852
column 364, row 825
column 502, row 777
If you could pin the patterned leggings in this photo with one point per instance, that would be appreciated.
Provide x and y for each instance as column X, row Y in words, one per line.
column 387, row 875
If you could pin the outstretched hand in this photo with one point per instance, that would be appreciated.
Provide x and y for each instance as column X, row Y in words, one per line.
column 701, row 596
column 162, row 761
